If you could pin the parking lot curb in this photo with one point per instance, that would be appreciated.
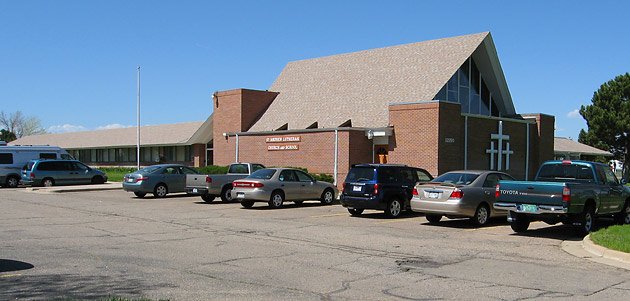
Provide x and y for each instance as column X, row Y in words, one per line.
column 586, row 249
column 600, row 251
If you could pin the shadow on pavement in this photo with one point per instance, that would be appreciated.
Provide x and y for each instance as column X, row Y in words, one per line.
column 8, row 265
column 66, row 286
column 563, row 232
column 374, row 214
column 465, row 223
column 288, row 205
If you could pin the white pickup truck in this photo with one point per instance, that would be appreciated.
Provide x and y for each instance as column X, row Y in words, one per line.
column 211, row 186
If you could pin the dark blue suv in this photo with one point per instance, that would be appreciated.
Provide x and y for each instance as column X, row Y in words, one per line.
column 385, row 187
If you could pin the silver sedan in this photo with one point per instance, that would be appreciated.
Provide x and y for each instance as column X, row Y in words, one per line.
column 459, row 194
column 277, row 185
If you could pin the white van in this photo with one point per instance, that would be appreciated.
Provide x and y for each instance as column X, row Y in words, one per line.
column 14, row 158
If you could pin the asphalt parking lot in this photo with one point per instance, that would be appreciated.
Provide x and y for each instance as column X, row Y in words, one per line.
column 89, row 245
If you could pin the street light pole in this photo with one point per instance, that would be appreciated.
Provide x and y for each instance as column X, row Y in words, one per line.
column 138, row 119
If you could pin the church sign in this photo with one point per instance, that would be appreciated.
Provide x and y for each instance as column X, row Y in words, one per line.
column 283, row 139
column 276, row 146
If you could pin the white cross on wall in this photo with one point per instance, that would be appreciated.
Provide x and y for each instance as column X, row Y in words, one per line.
column 500, row 152
column 492, row 151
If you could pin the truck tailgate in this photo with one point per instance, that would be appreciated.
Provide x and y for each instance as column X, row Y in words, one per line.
column 196, row 181
column 538, row 193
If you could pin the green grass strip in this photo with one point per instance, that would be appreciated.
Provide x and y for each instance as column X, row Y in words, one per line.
column 613, row 237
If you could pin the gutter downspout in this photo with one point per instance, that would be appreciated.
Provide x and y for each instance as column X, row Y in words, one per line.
column 336, row 157
column 236, row 148
column 527, row 156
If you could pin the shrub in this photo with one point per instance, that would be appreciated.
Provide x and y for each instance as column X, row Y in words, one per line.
column 213, row 170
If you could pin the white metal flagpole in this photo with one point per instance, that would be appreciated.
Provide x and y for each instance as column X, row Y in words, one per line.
column 138, row 119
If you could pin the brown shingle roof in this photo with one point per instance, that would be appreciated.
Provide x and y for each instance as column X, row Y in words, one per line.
column 563, row 145
column 165, row 134
column 360, row 85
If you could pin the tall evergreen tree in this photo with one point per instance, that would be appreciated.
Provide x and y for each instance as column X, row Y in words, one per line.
column 608, row 119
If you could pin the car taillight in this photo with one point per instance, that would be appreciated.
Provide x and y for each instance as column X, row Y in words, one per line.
column 566, row 194
column 140, row 179
column 32, row 175
column 415, row 191
column 497, row 191
column 208, row 179
column 456, row 194
column 375, row 189
column 248, row 184
column 566, row 162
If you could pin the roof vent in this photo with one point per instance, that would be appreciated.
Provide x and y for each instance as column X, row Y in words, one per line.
column 313, row 126
column 347, row 124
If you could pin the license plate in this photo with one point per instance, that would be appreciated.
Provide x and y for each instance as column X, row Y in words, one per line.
column 130, row 180
column 433, row 195
column 240, row 195
column 529, row 208
column 356, row 188
column 194, row 190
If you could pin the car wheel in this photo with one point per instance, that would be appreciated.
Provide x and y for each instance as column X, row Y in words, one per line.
column 226, row 194
column 48, row 182
column 208, row 198
column 140, row 194
column 394, row 207
column 433, row 218
column 586, row 220
column 299, row 203
column 160, row 191
column 355, row 211
column 482, row 215
column 520, row 222
column 247, row 203
column 98, row 180
column 12, row 182
column 623, row 217
column 328, row 197
column 277, row 198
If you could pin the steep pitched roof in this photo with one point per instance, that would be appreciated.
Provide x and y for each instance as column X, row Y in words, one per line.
column 565, row 145
column 165, row 134
column 360, row 85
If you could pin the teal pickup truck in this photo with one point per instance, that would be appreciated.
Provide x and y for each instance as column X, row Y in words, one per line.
column 571, row 192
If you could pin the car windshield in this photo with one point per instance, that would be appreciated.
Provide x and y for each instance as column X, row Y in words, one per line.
column 264, row 174
column 149, row 169
column 360, row 174
column 456, row 178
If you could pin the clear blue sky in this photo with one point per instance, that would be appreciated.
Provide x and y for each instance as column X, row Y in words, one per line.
column 74, row 62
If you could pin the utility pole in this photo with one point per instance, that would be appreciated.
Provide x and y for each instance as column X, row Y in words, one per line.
column 138, row 119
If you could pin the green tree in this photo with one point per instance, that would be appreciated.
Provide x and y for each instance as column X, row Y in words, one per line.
column 608, row 119
column 7, row 136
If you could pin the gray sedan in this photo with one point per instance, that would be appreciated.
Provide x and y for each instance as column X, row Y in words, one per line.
column 277, row 185
column 158, row 179
column 459, row 194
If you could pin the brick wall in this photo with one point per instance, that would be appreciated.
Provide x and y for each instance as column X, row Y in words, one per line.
column 415, row 138
column 199, row 155
column 235, row 111
column 431, row 135
column 316, row 151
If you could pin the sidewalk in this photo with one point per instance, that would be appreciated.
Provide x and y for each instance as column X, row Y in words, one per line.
column 589, row 250
column 76, row 188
